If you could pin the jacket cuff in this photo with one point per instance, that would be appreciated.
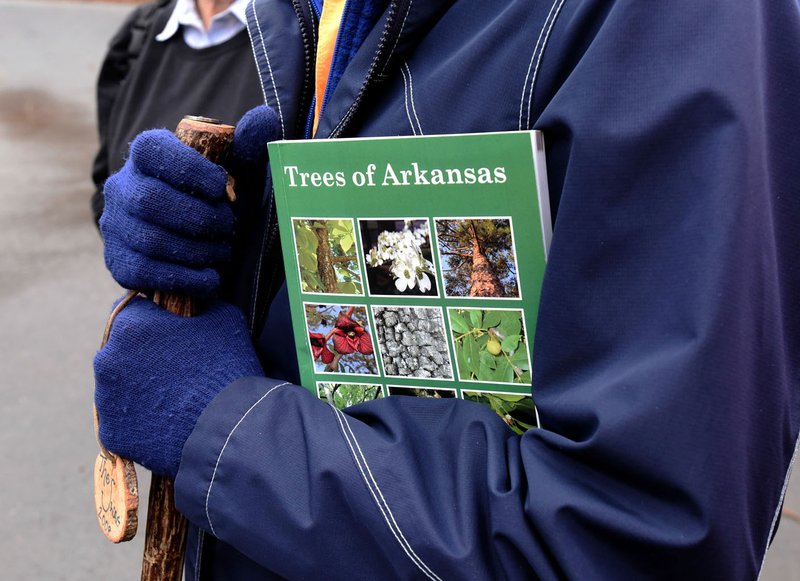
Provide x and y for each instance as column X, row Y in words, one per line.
column 205, row 445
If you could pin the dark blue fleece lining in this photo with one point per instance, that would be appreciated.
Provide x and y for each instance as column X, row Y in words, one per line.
column 357, row 21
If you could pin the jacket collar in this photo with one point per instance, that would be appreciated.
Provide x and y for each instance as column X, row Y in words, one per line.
column 283, row 33
column 392, row 38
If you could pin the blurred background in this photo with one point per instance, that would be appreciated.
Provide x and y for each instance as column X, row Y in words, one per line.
column 55, row 295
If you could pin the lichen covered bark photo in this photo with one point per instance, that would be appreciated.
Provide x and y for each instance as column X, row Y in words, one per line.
column 412, row 342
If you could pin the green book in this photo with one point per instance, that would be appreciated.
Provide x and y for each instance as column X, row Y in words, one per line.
column 414, row 265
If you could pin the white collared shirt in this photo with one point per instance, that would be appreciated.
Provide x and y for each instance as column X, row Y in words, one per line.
column 223, row 27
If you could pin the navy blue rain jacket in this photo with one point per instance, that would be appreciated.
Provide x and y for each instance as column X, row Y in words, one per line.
column 666, row 352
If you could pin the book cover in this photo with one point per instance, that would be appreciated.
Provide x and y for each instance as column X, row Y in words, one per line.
column 414, row 265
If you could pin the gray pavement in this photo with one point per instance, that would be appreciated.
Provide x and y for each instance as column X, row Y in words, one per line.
column 54, row 294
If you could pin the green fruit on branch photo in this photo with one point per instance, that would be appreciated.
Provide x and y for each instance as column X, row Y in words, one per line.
column 490, row 345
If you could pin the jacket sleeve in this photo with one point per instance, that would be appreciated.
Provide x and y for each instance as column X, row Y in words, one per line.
column 666, row 351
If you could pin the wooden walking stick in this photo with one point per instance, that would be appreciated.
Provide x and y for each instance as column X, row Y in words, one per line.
column 116, row 488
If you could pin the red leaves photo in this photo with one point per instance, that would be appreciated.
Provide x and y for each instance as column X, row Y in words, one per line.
column 319, row 348
column 349, row 336
column 340, row 339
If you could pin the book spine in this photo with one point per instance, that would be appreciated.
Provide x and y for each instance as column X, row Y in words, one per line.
column 540, row 166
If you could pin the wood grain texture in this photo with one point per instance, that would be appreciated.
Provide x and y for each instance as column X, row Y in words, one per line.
column 116, row 497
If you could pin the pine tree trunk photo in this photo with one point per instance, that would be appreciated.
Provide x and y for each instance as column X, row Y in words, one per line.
column 478, row 257
column 483, row 281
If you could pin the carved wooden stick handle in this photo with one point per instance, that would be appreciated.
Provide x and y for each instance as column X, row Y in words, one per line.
column 165, row 535
column 115, row 484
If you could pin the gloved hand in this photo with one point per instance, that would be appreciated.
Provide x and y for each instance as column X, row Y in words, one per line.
column 167, row 224
column 158, row 372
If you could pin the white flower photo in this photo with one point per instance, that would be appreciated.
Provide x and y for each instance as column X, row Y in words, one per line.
column 398, row 257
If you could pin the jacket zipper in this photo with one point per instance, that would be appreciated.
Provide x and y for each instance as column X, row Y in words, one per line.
column 391, row 30
column 307, row 18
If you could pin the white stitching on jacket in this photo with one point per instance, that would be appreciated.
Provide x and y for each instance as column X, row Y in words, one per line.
column 225, row 445
column 405, row 98
column 780, row 505
column 396, row 40
column 198, row 558
column 530, row 64
column 539, row 61
column 313, row 30
column 380, row 493
column 383, row 506
column 252, row 36
column 411, row 93
column 366, row 482
column 269, row 66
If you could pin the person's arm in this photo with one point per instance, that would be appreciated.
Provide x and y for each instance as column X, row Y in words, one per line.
column 666, row 359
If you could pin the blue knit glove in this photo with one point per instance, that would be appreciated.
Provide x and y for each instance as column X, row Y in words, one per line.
column 167, row 224
column 158, row 372
column 254, row 130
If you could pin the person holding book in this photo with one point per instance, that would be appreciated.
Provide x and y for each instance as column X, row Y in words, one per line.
column 667, row 353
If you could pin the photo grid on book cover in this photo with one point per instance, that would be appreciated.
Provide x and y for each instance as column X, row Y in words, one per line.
column 454, row 349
